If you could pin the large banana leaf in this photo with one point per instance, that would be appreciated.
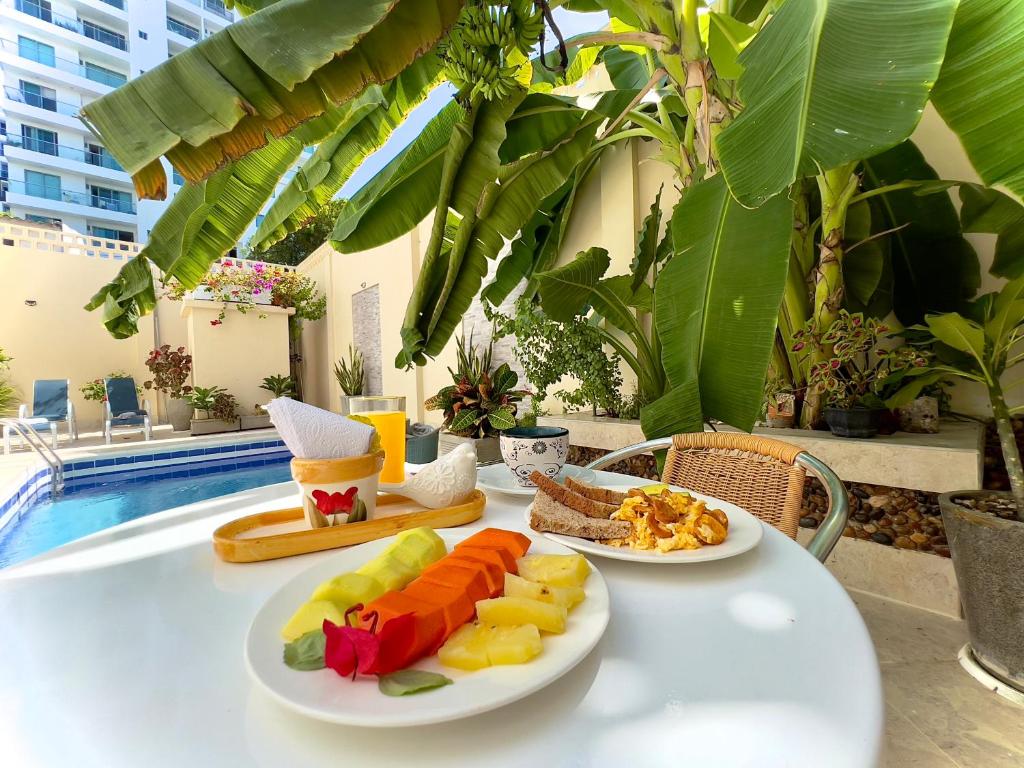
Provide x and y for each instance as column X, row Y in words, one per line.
column 337, row 158
column 980, row 90
column 125, row 299
column 717, row 302
column 260, row 77
column 826, row 82
column 934, row 268
column 990, row 211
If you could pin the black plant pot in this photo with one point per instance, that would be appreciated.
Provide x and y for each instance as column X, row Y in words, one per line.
column 852, row 422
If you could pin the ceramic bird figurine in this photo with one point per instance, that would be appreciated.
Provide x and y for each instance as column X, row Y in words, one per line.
column 442, row 483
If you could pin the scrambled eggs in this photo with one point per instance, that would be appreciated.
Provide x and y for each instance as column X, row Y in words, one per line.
column 669, row 521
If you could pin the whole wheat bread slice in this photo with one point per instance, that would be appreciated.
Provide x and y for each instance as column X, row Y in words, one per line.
column 603, row 495
column 547, row 514
column 563, row 495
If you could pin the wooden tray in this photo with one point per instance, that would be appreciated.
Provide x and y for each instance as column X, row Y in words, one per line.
column 229, row 544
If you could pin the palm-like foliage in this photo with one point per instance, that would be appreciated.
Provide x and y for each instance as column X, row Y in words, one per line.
column 769, row 113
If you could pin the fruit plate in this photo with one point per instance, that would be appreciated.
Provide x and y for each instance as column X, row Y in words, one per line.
column 326, row 696
column 499, row 479
column 745, row 532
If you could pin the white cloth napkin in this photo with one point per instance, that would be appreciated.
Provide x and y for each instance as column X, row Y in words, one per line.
column 313, row 433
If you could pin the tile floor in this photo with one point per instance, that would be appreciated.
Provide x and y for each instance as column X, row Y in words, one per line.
column 937, row 716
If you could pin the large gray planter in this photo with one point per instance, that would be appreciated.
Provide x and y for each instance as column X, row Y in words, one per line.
column 988, row 556
column 213, row 426
column 179, row 413
column 488, row 451
column 261, row 421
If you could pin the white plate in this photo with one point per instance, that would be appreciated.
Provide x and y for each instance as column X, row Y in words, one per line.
column 324, row 695
column 499, row 478
column 745, row 532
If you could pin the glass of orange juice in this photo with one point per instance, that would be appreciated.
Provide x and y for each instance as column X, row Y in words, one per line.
column 388, row 416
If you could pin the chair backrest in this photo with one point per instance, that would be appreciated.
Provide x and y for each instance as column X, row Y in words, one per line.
column 756, row 473
column 121, row 396
column 50, row 398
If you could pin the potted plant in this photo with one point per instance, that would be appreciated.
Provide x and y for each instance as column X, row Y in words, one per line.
column 780, row 402
column 479, row 404
column 218, row 409
column 852, row 369
column 350, row 375
column 8, row 392
column 171, row 369
column 279, row 386
column 985, row 529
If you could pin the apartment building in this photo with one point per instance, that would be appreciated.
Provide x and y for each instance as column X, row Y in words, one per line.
column 57, row 55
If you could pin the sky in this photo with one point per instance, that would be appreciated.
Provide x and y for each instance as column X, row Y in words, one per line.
column 570, row 23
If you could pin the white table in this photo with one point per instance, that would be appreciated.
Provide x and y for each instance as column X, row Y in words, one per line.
column 125, row 649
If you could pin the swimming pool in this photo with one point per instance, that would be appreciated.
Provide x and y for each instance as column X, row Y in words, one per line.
column 91, row 503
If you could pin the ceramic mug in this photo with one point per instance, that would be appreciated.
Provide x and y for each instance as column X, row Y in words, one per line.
column 526, row 449
column 337, row 491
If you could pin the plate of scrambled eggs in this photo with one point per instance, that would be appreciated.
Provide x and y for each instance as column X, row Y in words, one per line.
column 671, row 525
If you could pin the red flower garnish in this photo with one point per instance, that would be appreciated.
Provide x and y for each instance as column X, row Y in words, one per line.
column 351, row 651
column 333, row 503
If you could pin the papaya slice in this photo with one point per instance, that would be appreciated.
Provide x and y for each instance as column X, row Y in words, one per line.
column 470, row 580
column 499, row 557
column 513, row 542
column 453, row 602
column 494, row 574
column 427, row 629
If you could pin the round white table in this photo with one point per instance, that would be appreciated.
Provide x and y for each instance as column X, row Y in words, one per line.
column 125, row 649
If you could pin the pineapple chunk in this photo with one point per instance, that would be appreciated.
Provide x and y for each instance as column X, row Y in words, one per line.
column 517, row 586
column 513, row 645
column 417, row 548
column 555, row 570
column 391, row 573
column 513, row 611
column 466, row 648
column 310, row 616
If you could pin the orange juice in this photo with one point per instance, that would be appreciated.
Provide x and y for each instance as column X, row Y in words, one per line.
column 390, row 426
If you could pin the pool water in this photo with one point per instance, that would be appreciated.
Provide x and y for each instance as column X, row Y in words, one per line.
column 88, row 506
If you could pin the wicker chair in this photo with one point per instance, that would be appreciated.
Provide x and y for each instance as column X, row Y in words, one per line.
column 760, row 474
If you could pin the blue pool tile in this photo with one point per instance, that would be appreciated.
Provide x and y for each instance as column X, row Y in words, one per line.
column 104, row 463
column 83, row 465
column 161, row 456
column 196, row 452
column 124, row 460
column 179, row 454
column 180, row 473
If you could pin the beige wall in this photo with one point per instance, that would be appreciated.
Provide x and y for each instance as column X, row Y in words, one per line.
column 238, row 353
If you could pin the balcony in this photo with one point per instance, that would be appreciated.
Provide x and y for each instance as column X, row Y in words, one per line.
column 215, row 7
column 180, row 28
column 119, row 4
column 85, row 28
column 42, row 102
column 87, row 70
column 45, row 192
column 53, row 149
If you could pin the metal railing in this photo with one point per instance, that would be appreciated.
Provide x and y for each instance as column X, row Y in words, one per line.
column 96, row 73
column 119, row 4
column 42, row 102
column 215, row 7
column 88, row 29
column 52, row 148
column 180, row 28
column 38, row 444
column 90, row 199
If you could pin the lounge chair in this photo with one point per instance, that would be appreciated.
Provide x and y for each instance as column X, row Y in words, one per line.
column 123, row 409
column 51, row 405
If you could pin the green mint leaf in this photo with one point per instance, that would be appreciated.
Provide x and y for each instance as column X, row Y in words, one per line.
column 407, row 681
column 306, row 652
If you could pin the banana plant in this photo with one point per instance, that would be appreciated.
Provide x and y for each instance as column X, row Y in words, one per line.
column 776, row 117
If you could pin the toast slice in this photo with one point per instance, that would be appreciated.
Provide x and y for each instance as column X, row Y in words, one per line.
column 549, row 515
column 571, row 499
column 603, row 495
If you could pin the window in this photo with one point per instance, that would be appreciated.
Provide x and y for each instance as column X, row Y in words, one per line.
column 103, row 35
column 39, row 140
column 143, row 35
column 41, row 9
column 110, row 199
column 97, row 154
column 43, row 220
column 36, row 51
column 36, row 95
column 99, row 74
column 111, row 234
column 183, row 29
column 44, row 185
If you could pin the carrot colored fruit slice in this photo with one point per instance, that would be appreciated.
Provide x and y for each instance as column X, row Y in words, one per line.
column 513, row 542
column 456, row 605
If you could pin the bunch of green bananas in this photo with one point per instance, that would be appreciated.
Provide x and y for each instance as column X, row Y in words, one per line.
column 476, row 50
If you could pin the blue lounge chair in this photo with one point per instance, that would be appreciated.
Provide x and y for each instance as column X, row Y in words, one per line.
column 51, row 405
column 123, row 409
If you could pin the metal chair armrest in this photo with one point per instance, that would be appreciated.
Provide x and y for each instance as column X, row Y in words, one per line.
column 832, row 527
column 23, row 411
column 630, row 451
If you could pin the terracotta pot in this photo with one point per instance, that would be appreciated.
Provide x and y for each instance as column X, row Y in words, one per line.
column 781, row 413
column 988, row 556
column 338, row 476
